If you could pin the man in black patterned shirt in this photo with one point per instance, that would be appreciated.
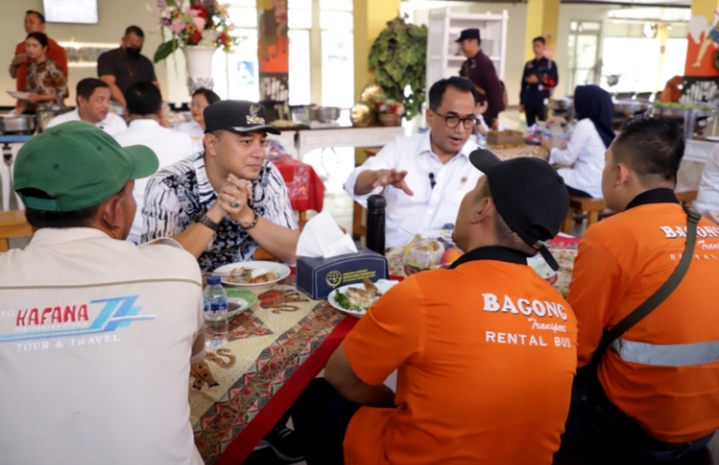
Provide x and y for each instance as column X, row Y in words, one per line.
column 223, row 203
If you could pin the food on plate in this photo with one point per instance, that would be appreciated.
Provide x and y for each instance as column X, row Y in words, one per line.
column 358, row 299
column 450, row 255
column 252, row 275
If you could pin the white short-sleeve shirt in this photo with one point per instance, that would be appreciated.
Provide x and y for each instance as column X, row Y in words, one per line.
column 169, row 146
column 96, row 339
column 196, row 133
column 708, row 196
column 430, row 208
column 112, row 124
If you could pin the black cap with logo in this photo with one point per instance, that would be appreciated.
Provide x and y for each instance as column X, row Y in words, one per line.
column 468, row 34
column 529, row 195
column 238, row 116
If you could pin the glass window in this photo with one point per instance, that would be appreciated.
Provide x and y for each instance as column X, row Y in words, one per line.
column 300, row 85
column 336, row 20
column 638, row 74
column 236, row 75
column 337, row 69
column 243, row 16
column 342, row 5
column 299, row 18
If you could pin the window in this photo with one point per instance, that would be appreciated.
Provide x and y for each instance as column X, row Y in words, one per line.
column 299, row 19
column 336, row 22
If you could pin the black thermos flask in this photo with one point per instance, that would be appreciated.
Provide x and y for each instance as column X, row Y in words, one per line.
column 375, row 223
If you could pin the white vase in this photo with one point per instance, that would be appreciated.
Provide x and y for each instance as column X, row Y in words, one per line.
column 199, row 67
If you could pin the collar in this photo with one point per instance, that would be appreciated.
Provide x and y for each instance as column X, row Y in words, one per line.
column 52, row 236
column 144, row 124
column 477, row 56
column 661, row 195
column 425, row 147
column 76, row 113
column 497, row 253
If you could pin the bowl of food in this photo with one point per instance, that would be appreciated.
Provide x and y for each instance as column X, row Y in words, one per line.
column 356, row 299
column 430, row 251
column 255, row 276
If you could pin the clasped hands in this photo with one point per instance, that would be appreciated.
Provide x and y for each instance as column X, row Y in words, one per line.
column 233, row 200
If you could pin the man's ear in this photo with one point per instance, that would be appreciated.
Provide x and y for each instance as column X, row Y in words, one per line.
column 482, row 210
column 623, row 174
column 210, row 141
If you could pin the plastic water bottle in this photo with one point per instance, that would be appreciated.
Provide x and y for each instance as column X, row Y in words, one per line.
column 215, row 302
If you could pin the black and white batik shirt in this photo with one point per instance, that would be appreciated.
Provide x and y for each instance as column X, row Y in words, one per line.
column 177, row 194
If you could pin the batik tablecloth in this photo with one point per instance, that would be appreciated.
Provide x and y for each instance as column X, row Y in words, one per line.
column 275, row 349
column 564, row 249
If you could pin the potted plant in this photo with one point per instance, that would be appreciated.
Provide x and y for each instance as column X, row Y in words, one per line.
column 399, row 59
column 390, row 112
column 199, row 27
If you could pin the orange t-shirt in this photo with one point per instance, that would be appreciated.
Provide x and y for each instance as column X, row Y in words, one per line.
column 486, row 356
column 664, row 371
column 54, row 52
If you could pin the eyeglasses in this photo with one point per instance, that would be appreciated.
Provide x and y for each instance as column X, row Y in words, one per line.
column 452, row 121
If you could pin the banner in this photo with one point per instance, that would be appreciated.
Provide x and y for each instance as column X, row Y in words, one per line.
column 273, row 50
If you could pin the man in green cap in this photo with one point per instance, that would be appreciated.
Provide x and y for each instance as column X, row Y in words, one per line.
column 96, row 334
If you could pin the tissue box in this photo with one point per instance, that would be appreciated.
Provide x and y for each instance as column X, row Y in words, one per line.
column 317, row 276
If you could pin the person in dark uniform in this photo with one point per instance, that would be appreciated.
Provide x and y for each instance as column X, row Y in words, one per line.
column 479, row 69
column 539, row 78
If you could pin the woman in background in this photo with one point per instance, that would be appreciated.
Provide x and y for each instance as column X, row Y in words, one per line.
column 581, row 161
column 45, row 82
column 201, row 98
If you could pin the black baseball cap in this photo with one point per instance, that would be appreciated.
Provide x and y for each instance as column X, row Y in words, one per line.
column 468, row 34
column 239, row 116
column 530, row 196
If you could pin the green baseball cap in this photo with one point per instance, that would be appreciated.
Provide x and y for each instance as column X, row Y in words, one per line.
column 77, row 165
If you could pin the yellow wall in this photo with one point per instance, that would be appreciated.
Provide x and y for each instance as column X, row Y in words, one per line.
column 542, row 20
column 370, row 18
column 114, row 17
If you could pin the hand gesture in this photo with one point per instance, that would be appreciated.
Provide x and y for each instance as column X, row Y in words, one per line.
column 233, row 199
column 393, row 178
column 532, row 79
column 555, row 120
column 34, row 98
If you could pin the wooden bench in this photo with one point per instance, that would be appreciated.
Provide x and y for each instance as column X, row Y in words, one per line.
column 596, row 208
column 12, row 225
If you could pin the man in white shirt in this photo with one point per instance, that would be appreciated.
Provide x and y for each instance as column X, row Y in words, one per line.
column 708, row 196
column 96, row 334
column 93, row 106
column 424, row 176
column 144, row 103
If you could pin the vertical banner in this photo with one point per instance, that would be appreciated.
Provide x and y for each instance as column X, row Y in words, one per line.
column 701, row 71
column 273, row 50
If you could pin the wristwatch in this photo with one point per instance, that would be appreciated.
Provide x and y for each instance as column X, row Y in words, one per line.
column 202, row 218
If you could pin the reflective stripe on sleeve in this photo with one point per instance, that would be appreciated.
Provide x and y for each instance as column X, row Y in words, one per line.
column 669, row 355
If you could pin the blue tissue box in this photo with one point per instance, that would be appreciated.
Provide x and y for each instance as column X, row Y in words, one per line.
column 317, row 276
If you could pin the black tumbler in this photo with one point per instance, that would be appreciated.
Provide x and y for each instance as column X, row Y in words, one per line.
column 375, row 223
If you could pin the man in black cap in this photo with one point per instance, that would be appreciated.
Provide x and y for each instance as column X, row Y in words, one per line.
column 489, row 324
column 479, row 69
column 222, row 203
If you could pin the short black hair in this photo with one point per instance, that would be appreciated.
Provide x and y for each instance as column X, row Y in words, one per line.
column 652, row 147
column 86, row 87
column 134, row 30
column 40, row 16
column 539, row 39
column 82, row 218
column 40, row 37
column 143, row 98
column 210, row 96
column 436, row 92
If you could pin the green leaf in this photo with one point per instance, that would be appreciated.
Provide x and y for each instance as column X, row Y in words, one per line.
column 170, row 3
column 165, row 50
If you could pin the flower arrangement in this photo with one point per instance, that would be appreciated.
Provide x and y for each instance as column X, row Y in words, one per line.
column 194, row 22
column 391, row 107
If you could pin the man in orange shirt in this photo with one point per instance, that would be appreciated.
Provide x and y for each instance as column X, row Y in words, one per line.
column 485, row 350
column 656, row 395
column 34, row 22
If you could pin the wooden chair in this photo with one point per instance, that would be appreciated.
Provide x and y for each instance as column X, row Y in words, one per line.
column 596, row 208
column 13, row 224
column 358, row 229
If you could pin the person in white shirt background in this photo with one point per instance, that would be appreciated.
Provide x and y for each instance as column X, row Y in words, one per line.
column 201, row 98
column 708, row 196
column 581, row 161
column 144, row 104
column 93, row 106
column 424, row 176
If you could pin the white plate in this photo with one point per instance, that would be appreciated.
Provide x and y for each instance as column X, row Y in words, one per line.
column 19, row 95
column 712, row 138
column 383, row 285
column 279, row 268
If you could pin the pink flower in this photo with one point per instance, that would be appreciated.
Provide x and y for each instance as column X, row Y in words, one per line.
column 231, row 27
column 383, row 108
column 192, row 12
column 199, row 23
column 177, row 26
